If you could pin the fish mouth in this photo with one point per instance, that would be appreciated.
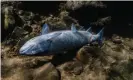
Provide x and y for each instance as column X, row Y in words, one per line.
column 24, row 50
column 21, row 51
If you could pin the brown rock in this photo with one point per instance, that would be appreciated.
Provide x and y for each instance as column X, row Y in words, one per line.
column 86, row 52
column 22, row 67
column 82, row 55
column 78, row 70
column 73, row 67
column 116, row 39
column 46, row 72
column 36, row 28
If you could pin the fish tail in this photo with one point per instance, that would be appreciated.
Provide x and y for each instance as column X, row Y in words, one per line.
column 100, row 36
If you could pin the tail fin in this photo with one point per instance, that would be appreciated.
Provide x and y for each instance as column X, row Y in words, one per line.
column 100, row 36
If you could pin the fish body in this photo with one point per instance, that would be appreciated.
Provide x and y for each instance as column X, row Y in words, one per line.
column 57, row 41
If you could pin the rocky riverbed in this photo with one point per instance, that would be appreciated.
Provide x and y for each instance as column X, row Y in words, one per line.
column 112, row 61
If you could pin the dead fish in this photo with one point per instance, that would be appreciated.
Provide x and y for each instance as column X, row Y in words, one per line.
column 50, row 43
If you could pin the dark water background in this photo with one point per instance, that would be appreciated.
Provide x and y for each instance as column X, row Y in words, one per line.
column 121, row 13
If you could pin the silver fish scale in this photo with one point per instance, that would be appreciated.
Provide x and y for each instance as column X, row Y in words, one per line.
column 68, row 40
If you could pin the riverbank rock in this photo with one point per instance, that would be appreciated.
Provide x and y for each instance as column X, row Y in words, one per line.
column 116, row 39
column 46, row 72
column 111, row 61
column 74, row 67
column 21, row 68
column 74, row 5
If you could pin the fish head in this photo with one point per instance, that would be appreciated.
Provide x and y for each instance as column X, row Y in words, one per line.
column 34, row 47
column 29, row 48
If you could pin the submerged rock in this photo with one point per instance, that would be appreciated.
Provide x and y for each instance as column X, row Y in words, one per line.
column 116, row 39
column 102, row 21
column 83, row 55
column 73, row 67
column 22, row 68
column 86, row 53
column 17, row 32
column 74, row 5
column 36, row 28
column 46, row 72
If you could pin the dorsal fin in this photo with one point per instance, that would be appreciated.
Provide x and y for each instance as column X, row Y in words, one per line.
column 73, row 28
column 45, row 29
column 89, row 29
